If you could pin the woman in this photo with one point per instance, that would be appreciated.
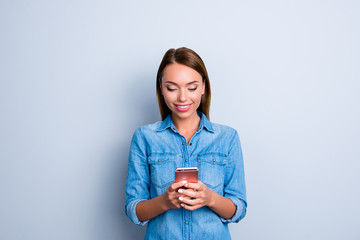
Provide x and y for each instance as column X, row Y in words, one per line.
column 185, row 137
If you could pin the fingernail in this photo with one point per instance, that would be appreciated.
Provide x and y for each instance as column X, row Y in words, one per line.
column 182, row 205
column 184, row 182
column 180, row 198
column 186, row 185
column 180, row 191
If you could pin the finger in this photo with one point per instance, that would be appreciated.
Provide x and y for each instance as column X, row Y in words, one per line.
column 189, row 201
column 197, row 186
column 190, row 208
column 183, row 200
column 176, row 202
column 190, row 193
column 176, row 185
column 200, row 182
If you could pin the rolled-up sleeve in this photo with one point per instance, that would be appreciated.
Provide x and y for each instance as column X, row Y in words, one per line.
column 137, row 183
column 234, row 188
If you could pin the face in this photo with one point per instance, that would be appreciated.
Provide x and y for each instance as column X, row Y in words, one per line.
column 182, row 88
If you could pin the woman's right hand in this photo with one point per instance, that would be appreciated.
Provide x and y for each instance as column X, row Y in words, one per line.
column 171, row 196
column 148, row 209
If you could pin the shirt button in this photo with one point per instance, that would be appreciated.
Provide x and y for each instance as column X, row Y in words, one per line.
column 186, row 160
column 159, row 160
column 214, row 160
column 186, row 222
column 183, row 143
column 190, row 144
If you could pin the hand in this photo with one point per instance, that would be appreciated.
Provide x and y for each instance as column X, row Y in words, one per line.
column 195, row 195
column 171, row 196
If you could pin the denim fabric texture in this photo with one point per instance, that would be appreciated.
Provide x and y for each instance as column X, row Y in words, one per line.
column 157, row 149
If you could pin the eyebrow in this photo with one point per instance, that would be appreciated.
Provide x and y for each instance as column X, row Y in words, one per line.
column 186, row 84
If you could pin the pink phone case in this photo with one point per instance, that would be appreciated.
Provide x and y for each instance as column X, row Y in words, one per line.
column 189, row 174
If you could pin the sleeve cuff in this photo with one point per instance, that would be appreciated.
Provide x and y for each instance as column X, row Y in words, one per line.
column 131, row 212
column 239, row 213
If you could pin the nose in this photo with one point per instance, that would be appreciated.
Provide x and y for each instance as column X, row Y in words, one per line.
column 182, row 97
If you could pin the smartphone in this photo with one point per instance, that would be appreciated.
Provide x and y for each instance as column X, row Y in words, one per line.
column 189, row 174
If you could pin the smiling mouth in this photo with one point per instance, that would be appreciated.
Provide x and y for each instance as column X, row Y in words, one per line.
column 183, row 108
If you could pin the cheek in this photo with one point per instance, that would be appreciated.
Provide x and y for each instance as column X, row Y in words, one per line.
column 196, row 96
column 168, row 97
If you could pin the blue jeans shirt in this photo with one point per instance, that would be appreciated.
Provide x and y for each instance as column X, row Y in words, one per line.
column 157, row 149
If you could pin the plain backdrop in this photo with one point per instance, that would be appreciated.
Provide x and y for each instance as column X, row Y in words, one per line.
column 78, row 77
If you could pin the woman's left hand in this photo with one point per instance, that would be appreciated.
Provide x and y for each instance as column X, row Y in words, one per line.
column 196, row 195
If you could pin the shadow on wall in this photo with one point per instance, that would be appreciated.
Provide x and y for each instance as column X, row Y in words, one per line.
column 140, row 96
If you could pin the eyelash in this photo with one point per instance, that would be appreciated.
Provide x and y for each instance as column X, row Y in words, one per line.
column 171, row 89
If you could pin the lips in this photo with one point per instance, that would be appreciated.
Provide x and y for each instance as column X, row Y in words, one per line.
column 183, row 108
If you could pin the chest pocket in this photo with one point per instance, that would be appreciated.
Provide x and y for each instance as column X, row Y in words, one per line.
column 212, row 170
column 162, row 169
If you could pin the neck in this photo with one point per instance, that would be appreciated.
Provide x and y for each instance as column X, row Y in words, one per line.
column 188, row 124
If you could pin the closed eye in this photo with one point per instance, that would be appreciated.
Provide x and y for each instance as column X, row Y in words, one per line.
column 192, row 89
column 171, row 89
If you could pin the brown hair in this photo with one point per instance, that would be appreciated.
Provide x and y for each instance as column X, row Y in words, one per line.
column 191, row 59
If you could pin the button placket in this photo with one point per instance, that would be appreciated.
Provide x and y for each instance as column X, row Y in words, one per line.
column 186, row 149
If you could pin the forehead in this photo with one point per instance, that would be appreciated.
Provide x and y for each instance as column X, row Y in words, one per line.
column 180, row 74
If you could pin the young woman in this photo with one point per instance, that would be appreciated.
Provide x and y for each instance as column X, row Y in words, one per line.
column 185, row 138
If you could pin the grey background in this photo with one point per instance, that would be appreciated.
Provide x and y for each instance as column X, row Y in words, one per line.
column 78, row 77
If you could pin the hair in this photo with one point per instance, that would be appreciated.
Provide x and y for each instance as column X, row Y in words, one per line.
column 191, row 59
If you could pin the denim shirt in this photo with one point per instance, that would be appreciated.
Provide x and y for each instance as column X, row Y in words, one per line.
column 157, row 149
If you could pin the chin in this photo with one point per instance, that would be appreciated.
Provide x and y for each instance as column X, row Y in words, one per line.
column 184, row 115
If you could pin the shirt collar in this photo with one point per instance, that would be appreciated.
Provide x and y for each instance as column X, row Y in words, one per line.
column 204, row 123
column 166, row 123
